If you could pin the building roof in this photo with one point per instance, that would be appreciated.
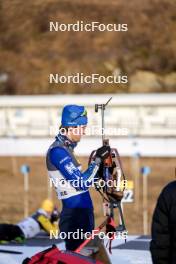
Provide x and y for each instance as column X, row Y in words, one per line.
column 88, row 99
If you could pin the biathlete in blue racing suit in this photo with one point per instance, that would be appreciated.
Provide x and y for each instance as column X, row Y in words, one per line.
column 71, row 184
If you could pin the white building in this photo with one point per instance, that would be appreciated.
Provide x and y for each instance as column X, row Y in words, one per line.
column 144, row 123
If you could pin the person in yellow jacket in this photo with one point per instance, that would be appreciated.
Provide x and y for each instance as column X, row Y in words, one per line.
column 44, row 218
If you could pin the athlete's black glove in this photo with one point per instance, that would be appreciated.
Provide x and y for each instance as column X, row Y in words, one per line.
column 103, row 152
column 55, row 215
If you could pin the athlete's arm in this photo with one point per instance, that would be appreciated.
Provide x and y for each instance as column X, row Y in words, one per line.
column 46, row 224
column 62, row 160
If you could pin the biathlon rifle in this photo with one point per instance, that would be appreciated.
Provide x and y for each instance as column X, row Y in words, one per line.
column 111, row 171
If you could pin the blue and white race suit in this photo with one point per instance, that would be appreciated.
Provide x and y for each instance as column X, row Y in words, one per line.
column 72, row 186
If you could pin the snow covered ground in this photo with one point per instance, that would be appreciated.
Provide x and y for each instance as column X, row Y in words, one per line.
column 135, row 251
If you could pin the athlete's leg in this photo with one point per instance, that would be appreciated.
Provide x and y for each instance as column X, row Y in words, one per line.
column 76, row 220
column 9, row 232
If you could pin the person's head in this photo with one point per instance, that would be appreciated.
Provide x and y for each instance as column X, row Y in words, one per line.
column 48, row 206
column 74, row 122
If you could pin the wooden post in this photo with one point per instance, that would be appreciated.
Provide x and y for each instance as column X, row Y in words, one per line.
column 26, row 194
column 49, row 188
column 145, row 172
column 136, row 177
column 25, row 169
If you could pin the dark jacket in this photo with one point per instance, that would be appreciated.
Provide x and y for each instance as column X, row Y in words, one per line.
column 163, row 244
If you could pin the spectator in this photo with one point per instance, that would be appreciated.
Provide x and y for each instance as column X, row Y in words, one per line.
column 163, row 244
